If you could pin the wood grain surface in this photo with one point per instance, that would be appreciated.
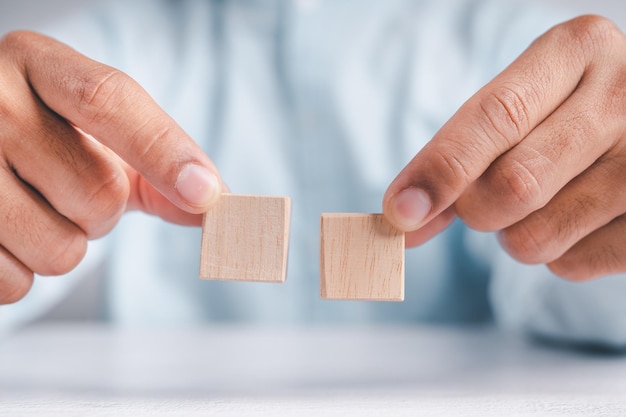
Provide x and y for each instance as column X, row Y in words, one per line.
column 362, row 258
column 245, row 238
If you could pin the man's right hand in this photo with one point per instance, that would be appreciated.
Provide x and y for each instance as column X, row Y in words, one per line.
column 80, row 143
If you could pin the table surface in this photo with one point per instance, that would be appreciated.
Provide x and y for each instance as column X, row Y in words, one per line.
column 330, row 371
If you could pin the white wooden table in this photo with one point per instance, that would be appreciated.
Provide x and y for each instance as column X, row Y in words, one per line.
column 338, row 371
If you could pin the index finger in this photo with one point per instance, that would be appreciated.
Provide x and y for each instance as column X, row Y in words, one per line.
column 491, row 122
column 114, row 109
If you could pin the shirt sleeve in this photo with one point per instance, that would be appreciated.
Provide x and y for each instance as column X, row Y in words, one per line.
column 531, row 299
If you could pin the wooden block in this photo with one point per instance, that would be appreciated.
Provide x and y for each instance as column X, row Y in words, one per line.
column 362, row 258
column 245, row 238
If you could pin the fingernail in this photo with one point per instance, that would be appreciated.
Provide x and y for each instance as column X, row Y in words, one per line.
column 198, row 186
column 410, row 207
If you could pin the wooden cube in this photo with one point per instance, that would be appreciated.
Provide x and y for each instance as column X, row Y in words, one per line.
column 362, row 258
column 245, row 238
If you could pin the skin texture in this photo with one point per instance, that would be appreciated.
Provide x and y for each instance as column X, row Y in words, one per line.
column 59, row 186
column 537, row 155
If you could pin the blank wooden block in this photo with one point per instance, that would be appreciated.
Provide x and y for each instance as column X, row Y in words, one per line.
column 245, row 238
column 362, row 258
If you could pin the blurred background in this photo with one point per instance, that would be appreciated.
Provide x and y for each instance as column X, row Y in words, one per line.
column 30, row 13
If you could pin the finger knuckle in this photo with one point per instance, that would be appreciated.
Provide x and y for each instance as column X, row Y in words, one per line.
column 100, row 92
column 14, row 287
column 448, row 163
column 563, row 269
column 578, row 265
column 572, row 269
column 17, row 40
column 593, row 33
column 525, row 243
column 504, row 114
column 515, row 185
column 62, row 252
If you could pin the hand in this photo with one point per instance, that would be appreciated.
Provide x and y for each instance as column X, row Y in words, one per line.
column 59, row 186
column 538, row 154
